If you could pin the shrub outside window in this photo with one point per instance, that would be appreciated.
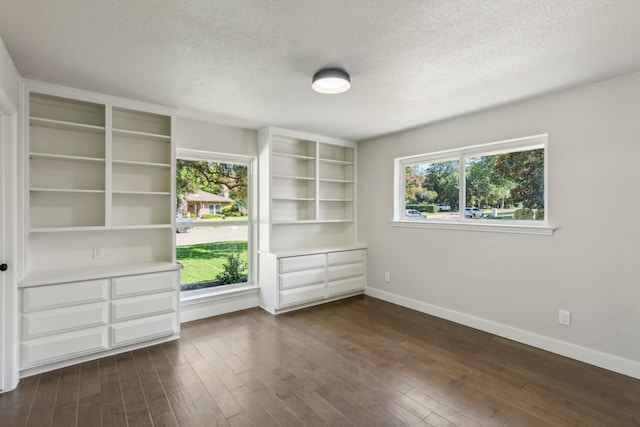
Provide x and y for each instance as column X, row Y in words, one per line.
column 501, row 183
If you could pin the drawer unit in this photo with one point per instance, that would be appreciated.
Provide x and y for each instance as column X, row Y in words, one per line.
column 59, row 320
column 293, row 280
column 304, row 262
column 345, row 257
column 344, row 271
column 68, row 320
column 297, row 296
column 62, row 346
column 146, row 305
column 143, row 329
column 64, row 295
column 302, row 278
column 143, row 284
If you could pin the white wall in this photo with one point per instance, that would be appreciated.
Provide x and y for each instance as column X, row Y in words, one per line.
column 204, row 136
column 9, row 77
column 512, row 284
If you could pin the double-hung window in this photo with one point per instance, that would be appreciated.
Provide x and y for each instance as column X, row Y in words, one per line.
column 500, row 186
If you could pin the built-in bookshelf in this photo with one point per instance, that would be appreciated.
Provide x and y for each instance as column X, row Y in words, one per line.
column 308, row 182
column 100, row 271
column 307, row 192
column 98, row 174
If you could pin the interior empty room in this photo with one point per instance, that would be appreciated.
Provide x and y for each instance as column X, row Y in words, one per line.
column 416, row 213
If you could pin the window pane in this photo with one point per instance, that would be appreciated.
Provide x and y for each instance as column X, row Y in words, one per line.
column 205, row 250
column 506, row 186
column 209, row 196
column 432, row 190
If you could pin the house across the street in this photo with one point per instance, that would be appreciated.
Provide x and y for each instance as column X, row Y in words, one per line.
column 201, row 203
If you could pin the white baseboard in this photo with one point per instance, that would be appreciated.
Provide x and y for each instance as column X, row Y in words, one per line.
column 593, row 357
column 200, row 308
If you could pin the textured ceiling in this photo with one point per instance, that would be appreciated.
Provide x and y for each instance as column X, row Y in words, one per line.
column 249, row 63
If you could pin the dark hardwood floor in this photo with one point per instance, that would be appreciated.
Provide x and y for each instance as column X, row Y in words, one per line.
column 356, row 362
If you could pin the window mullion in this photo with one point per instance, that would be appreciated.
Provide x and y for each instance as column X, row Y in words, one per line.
column 462, row 196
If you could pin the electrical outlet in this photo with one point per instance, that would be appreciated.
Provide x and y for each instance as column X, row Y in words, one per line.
column 564, row 317
column 98, row 252
column 387, row 276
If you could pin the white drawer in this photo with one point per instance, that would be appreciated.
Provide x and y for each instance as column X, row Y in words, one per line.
column 302, row 262
column 345, row 257
column 146, row 305
column 301, row 295
column 143, row 284
column 344, row 271
column 302, row 278
column 62, row 346
column 345, row 286
column 143, row 329
column 63, row 295
column 63, row 319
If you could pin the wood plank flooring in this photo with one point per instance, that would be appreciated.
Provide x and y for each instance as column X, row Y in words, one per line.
column 356, row 362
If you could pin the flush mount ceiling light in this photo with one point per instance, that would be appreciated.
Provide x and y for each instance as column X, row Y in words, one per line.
column 331, row 81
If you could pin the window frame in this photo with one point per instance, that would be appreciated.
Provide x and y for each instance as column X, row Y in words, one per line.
column 461, row 154
column 252, row 237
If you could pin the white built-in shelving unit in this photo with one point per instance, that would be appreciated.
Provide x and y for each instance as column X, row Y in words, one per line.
column 99, row 225
column 307, row 191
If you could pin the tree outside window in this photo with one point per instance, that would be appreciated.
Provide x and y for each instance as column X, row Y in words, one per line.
column 499, row 181
column 214, row 250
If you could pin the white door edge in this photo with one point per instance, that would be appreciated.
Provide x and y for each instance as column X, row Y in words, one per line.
column 9, row 372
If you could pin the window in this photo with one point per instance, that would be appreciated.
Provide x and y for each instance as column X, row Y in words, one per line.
column 214, row 242
column 497, row 186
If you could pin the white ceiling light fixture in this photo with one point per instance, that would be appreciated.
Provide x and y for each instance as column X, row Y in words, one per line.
column 331, row 81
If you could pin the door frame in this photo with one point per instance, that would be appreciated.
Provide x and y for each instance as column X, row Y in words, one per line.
column 9, row 370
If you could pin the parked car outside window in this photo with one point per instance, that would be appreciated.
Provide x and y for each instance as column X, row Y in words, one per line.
column 412, row 213
column 473, row 212
column 183, row 224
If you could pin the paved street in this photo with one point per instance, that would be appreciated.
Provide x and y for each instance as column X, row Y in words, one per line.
column 197, row 235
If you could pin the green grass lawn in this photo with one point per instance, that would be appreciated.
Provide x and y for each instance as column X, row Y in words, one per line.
column 204, row 261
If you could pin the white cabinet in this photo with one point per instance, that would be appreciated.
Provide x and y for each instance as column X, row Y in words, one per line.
column 143, row 307
column 302, row 295
column 345, row 272
column 312, row 278
column 68, row 294
column 293, row 263
column 144, row 284
column 307, row 234
column 49, row 322
column 58, row 347
column 143, row 329
column 67, row 320
column 301, row 278
column 99, row 229
column 146, row 305
column 64, row 320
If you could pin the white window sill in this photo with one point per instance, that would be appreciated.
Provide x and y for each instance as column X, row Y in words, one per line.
column 216, row 293
column 477, row 225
